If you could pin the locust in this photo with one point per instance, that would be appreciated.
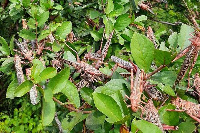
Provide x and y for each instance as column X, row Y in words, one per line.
column 136, row 90
column 191, row 53
column 151, row 115
column 18, row 67
column 153, row 92
column 88, row 72
column 197, row 83
column 99, row 56
column 192, row 109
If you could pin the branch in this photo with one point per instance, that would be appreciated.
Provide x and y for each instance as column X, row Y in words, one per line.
column 168, row 23
column 70, row 108
column 58, row 123
column 155, row 71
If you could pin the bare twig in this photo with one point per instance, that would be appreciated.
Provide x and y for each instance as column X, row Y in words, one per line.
column 70, row 108
column 155, row 71
column 58, row 123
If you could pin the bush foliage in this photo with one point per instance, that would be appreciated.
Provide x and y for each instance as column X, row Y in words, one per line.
column 48, row 84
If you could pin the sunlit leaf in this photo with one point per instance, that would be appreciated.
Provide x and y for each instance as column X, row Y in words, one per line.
column 42, row 18
column 58, row 82
column 108, row 106
column 142, row 51
column 23, row 88
column 146, row 126
column 26, row 3
column 122, row 22
column 64, row 29
column 47, row 73
column 140, row 18
column 4, row 46
column 184, row 35
column 109, row 7
column 72, row 93
column 11, row 89
column 37, row 68
column 48, row 112
column 27, row 34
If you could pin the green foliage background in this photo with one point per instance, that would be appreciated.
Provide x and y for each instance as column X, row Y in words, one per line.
column 87, row 19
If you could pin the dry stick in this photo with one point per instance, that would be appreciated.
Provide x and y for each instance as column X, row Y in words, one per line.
column 176, row 23
column 71, row 108
column 58, row 123
column 155, row 71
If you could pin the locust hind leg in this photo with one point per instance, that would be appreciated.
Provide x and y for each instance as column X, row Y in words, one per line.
column 182, row 53
column 190, row 71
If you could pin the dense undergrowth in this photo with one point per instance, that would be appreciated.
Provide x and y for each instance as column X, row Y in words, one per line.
column 58, row 66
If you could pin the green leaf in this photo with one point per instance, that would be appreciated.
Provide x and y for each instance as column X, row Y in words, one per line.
column 95, row 120
column 173, row 40
column 26, row 3
column 118, row 9
column 56, row 47
column 12, row 45
column 36, row 70
column 169, row 117
column 108, row 106
column 165, row 77
column 186, row 127
column 72, row 93
column 8, row 61
column 48, row 112
column 72, row 119
column 96, row 35
column 42, row 18
column 108, row 27
column 53, row 26
column 109, row 7
column 122, row 22
column 43, row 34
column 94, row 14
column 140, row 18
column 146, row 126
column 23, row 88
column 58, row 82
column 48, row 94
column 120, row 101
column 105, row 70
column 27, row 34
column 184, row 35
column 47, row 73
column 112, row 87
column 162, row 57
column 11, row 89
column 31, row 23
column 142, row 51
column 86, row 94
column 169, row 90
column 69, row 56
column 64, row 29
column 4, row 48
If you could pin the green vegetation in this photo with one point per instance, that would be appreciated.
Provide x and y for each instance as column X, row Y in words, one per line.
column 44, row 87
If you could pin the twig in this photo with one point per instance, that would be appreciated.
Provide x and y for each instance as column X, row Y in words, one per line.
column 70, row 108
column 58, row 123
column 175, row 23
column 155, row 71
